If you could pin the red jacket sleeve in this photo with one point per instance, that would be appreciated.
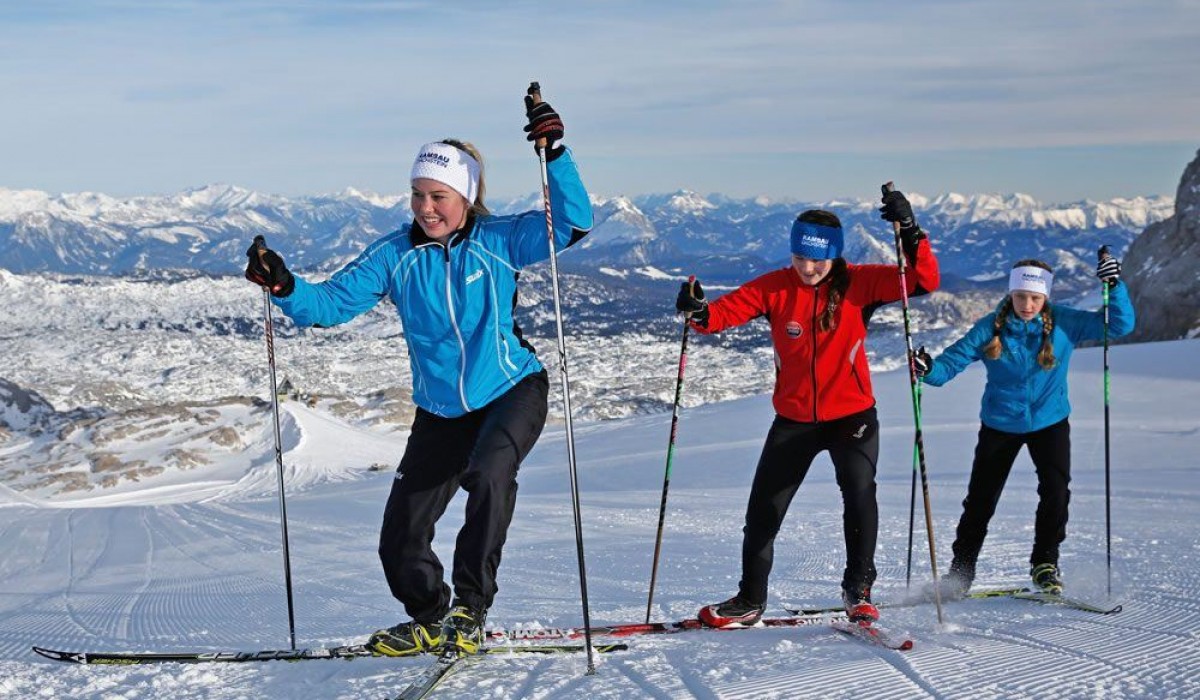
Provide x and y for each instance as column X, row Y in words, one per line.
column 873, row 284
column 742, row 305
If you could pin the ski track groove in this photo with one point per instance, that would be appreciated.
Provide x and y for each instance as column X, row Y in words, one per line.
column 180, row 528
column 529, row 683
column 694, row 683
column 32, row 613
column 1047, row 651
column 900, row 661
column 639, row 680
column 69, row 596
column 847, row 677
column 126, row 614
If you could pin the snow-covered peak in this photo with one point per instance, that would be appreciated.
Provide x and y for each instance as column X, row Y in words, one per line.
column 15, row 203
column 1023, row 210
column 376, row 200
column 216, row 196
column 688, row 202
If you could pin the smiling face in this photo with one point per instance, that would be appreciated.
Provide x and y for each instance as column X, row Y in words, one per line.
column 438, row 209
column 811, row 271
column 1027, row 305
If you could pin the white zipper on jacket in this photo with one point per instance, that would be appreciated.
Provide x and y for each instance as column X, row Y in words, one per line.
column 462, row 346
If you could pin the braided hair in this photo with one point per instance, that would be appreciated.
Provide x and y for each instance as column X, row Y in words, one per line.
column 838, row 278
column 995, row 346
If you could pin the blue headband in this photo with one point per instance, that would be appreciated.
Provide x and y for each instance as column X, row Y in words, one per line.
column 816, row 242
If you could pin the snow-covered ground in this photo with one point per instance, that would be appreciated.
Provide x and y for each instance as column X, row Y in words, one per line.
column 201, row 568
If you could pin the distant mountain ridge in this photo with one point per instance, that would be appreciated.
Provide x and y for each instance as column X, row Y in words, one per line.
column 207, row 229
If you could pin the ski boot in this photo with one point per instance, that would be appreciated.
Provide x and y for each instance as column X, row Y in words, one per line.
column 957, row 582
column 735, row 612
column 859, row 607
column 1047, row 578
column 406, row 639
column 462, row 630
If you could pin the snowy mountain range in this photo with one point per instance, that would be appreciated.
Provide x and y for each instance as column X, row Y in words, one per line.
column 117, row 311
column 208, row 229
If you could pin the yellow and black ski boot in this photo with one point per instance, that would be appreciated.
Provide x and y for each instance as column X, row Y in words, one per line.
column 407, row 639
column 462, row 629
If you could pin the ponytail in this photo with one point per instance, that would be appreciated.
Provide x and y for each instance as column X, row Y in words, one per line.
column 995, row 346
column 839, row 282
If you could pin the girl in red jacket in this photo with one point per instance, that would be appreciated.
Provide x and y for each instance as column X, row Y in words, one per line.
column 818, row 309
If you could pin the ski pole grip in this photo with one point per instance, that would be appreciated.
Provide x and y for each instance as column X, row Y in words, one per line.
column 535, row 94
column 1102, row 253
column 260, row 242
column 888, row 188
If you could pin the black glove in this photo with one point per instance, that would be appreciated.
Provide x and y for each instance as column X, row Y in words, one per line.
column 922, row 363
column 896, row 208
column 266, row 268
column 544, row 123
column 1108, row 269
column 691, row 301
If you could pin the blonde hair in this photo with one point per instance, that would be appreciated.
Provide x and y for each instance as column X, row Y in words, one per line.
column 995, row 346
column 478, row 208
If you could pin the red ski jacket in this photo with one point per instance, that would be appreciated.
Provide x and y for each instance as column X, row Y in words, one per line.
column 821, row 376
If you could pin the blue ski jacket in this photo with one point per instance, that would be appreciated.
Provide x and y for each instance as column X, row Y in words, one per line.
column 455, row 301
column 1020, row 396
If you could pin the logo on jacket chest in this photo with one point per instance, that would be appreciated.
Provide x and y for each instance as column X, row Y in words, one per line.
column 793, row 329
column 474, row 276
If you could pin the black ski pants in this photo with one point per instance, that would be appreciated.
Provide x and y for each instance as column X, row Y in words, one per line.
column 481, row 452
column 1050, row 450
column 791, row 447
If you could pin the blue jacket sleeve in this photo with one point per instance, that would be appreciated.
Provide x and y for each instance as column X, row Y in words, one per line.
column 1082, row 325
column 570, row 207
column 961, row 353
column 351, row 291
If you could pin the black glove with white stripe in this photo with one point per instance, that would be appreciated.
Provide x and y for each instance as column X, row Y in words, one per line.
column 1108, row 270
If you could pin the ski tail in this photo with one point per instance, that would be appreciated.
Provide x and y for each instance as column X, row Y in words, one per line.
column 432, row 675
column 874, row 634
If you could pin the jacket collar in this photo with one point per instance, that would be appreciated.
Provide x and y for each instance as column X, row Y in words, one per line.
column 418, row 237
column 1016, row 326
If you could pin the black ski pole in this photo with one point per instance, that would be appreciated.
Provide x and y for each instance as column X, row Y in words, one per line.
column 1102, row 254
column 918, row 439
column 260, row 243
column 535, row 92
column 662, row 508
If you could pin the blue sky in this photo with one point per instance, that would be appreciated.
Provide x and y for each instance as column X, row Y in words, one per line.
column 806, row 100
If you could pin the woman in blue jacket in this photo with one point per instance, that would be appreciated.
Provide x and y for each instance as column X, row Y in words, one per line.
column 480, row 391
column 1026, row 346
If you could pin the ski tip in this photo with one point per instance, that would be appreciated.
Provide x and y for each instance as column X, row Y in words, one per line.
column 55, row 655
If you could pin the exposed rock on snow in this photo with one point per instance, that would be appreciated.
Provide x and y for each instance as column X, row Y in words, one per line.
column 1163, row 268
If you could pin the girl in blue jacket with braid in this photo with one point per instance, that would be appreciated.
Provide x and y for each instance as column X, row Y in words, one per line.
column 480, row 391
column 1025, row 345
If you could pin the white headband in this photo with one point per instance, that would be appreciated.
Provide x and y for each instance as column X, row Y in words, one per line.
column 450, row 166
column 1030, row 279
